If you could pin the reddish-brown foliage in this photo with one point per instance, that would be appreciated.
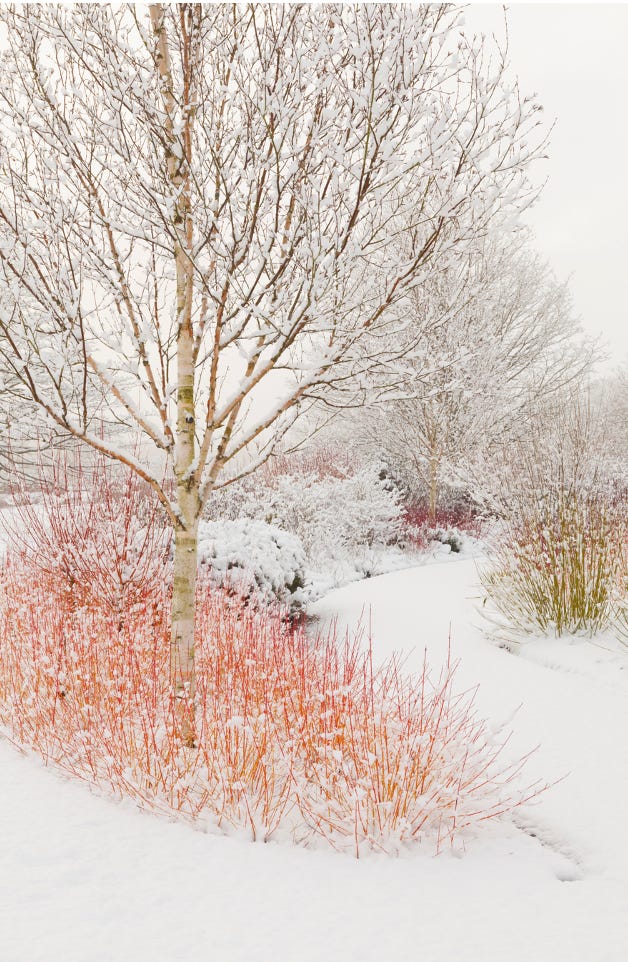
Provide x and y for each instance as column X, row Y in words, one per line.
column 328, row 460
column 94, row 535
column 297, row 736
column 419, row 530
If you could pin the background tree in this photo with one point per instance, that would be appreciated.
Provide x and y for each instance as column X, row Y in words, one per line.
column 498, row 342
column 200, row 211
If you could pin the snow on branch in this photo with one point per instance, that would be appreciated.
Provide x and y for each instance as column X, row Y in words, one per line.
column 203, row 205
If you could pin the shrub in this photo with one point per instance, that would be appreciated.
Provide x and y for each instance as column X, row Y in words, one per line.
column 97, row 534
column 620, row 620
column 452, row 527
column 260, row 561
column 297, row 737
column 322, row 460
column 94, row 534
column 559, row 563
column 343, row 522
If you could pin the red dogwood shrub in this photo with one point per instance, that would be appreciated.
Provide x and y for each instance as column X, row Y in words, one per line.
column 301, row 737
column 96, row 535
column 419, row 530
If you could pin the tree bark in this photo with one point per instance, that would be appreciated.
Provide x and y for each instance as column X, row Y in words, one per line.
column 188, row 504
column 183, row 604
column 182, row 670
column 433, row 489
column 178, row 160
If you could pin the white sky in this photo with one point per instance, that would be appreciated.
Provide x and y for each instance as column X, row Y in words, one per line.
column 574, row 57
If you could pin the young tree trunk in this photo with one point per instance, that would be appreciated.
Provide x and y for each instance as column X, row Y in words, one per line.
column 433, row 489
column 178, row 161
column 182, row 670
column 188, row 504
column 183, row 596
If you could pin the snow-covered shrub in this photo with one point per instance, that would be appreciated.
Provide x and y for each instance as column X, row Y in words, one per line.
column 453, row 526
column 298, row 737
column 339, row 515
column 94, row 532
column 264, row 563
column 559, row 563
column 451, row 537
column 620, row 609
column 325, row 459
column 458, row 530
column 341, row 521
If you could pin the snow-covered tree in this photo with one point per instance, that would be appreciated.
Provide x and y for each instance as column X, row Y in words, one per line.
column 201, row 208
column 498, row 340
column 609, row 414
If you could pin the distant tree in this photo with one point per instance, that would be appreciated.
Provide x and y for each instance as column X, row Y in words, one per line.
column 201, row 207
column 609, row 399
column 498, row 342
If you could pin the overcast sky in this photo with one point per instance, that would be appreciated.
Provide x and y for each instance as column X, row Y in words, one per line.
column 574, row 57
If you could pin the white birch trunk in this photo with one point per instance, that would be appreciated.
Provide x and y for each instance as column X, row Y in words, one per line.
column 188, row 504
column 183, row 595
column 433, row 488
column 185, row 541
column 178, row 159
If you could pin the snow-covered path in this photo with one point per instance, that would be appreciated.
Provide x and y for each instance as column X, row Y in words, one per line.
column 83, row 879
column 573, row 698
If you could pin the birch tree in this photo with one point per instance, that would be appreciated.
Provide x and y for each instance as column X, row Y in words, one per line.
column 200, row 208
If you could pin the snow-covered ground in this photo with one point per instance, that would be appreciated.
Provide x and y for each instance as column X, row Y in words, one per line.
column 84, row 879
